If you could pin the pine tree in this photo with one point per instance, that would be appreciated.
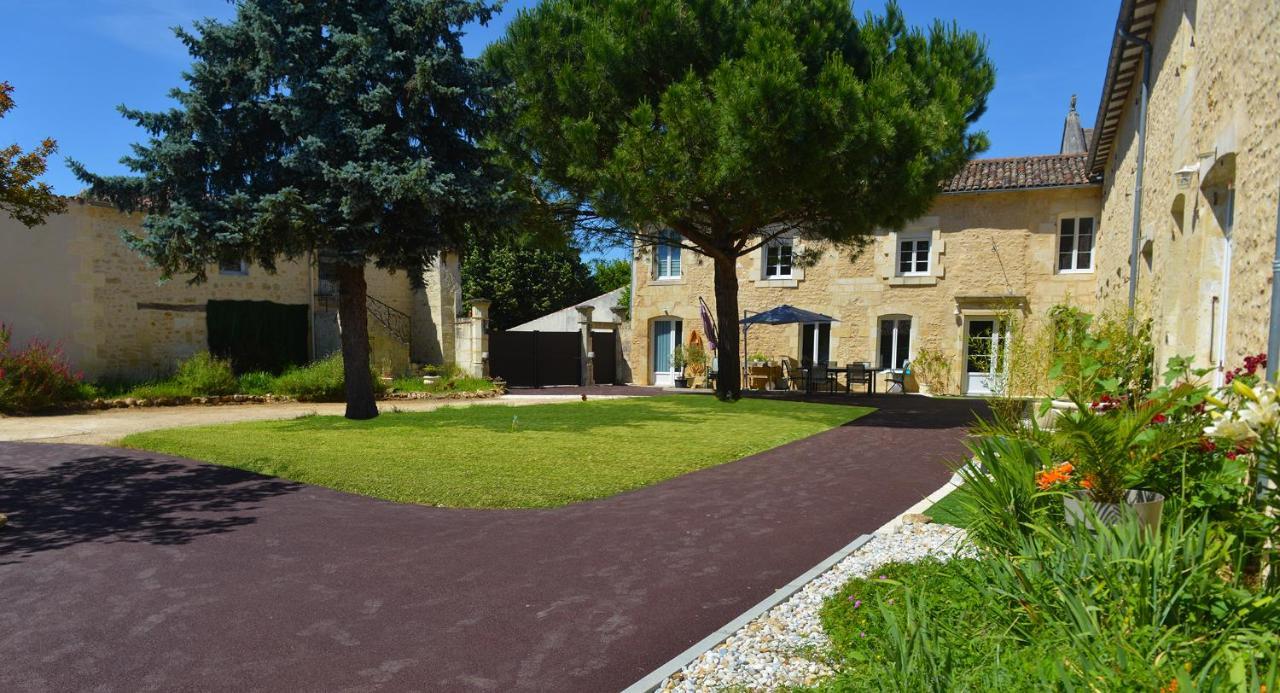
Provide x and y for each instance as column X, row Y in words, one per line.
column 349, row 126
column 733, row 122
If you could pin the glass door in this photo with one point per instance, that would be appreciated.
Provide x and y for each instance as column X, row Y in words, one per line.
column 984, row 355
column 666, row 336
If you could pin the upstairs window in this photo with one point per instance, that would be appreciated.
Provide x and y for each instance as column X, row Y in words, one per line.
column 1075, row 245
column 667, row 255
column 778, row 256
column 233, row 266
column 913, row 254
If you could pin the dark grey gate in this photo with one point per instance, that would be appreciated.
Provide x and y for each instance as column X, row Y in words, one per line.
column 536, row 359
column 605, row 364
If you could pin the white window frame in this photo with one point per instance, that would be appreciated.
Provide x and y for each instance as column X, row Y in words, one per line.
column 914, row 238
column 665, row 251
column 898, row 321
column 243, row 271
column 1075, row 267
column 778, row 244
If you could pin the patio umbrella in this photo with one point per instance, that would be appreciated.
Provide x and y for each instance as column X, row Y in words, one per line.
column 782, row 315
column 708, row 325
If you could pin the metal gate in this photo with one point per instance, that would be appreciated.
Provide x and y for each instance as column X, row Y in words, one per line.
column 536, row 359
column 605, row 363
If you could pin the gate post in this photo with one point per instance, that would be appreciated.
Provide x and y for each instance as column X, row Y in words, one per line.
column 584, row 327
column 620, row 317
column 479, row 357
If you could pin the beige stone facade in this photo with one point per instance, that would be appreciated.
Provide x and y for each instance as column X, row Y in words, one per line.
column 989, row 252
column 1211, row 173
column 72, row 281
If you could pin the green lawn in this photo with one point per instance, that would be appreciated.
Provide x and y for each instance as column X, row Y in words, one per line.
column 506, row 457
column 949, row 511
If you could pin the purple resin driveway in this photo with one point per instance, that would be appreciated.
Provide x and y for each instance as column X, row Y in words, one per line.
column 128, row 571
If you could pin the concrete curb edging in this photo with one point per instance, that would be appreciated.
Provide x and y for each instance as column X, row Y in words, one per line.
column 653, row 679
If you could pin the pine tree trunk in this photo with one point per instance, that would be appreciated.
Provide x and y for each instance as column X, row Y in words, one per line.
column 729, row 375
column 353, row 316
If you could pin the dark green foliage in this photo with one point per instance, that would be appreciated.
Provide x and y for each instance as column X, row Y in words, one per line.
column 321, row 381
column 524, row 280
column 259, row 335
column 733, row 121
column 349, row 126
column 610, row 274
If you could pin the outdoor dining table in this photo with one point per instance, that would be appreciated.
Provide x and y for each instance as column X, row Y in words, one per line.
column 834, row 372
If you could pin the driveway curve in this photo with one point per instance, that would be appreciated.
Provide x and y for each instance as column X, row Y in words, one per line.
column 129, row 571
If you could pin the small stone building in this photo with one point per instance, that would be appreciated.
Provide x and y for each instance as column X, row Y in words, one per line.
column 72, row 281
column 1006, row 235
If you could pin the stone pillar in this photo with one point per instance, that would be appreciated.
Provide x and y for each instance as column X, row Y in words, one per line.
column 478, row 359
column 619, row 350
column 588, row 356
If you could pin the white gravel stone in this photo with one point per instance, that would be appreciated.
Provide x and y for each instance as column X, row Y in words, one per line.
column 784, row 646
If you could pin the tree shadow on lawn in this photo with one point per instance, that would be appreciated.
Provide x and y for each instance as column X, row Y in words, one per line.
column 125, row 499
column 560, row 418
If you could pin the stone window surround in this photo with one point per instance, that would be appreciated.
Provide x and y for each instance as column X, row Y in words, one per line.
column 908, row 236
column 888, row 256
column 756, row 268
column 896, row 314
column 1080, row 213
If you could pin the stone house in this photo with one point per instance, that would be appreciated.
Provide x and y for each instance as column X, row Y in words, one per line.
column 1012, row 234
column 72, row 281
column 1210, row 173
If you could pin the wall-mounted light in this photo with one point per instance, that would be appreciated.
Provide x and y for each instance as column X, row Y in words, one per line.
column 1183, row 175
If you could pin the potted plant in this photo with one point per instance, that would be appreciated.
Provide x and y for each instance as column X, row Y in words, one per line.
column 695, row 356
column 758, row 359
column 678, row 362
column 1106, row 448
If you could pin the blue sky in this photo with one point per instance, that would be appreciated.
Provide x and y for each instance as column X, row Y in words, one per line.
column 73, row 61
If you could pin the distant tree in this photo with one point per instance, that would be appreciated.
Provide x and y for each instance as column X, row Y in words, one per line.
column 733, row 122
column 22, row 196
column 608, row 275
column 349, row 126
column 524, row 279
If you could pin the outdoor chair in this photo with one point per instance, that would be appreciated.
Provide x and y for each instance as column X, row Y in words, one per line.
column 820, row 376
column 792, row 378
column 898, row 377
column 860, row 374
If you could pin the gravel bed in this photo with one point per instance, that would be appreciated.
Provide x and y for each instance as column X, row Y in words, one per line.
column 783, row 646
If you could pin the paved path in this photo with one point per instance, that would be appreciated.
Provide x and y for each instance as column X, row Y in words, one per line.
column 108, row 426
column 124, row 571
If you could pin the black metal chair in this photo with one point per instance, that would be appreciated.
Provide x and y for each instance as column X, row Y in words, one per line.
column 858, row 373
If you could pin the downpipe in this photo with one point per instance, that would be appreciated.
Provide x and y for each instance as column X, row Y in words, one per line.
column 1273, row 338
column 1136, row 233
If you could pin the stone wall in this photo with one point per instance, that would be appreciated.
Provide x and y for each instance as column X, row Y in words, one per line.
column 73, row 281
column 990, row 251
column 1215, row 100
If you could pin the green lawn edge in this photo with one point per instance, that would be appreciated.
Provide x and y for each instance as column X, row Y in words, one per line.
column 528, row 456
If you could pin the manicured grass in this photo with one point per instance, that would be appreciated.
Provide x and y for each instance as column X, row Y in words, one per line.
column 949, row 511
column 506, row 457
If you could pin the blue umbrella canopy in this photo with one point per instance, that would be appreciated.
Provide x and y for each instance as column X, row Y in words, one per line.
column 784, row 315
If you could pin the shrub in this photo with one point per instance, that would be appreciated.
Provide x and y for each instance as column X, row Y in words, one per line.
column 257, row 383
column 932, row 370
column 319, row 381
column 35, row 378
column 205, row 374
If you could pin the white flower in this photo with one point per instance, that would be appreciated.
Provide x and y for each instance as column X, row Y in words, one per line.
column 1231, row 428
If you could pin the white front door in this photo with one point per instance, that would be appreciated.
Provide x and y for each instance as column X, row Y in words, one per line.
column 666, row 336
column 984, row 355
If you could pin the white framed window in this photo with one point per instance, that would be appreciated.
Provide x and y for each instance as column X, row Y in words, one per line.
column 779, row 255
column 233, row 266
column 913, row 254
column 895, row 341
column 1075, row 244
column 815, row 342
column 666, row 256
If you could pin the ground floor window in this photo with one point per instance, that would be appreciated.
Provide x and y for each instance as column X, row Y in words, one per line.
column 815, row 343
column 895, row 342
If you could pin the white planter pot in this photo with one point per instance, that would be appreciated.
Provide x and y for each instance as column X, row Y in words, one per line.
column 1146, row 505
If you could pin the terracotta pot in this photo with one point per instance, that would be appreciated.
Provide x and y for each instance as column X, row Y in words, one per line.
column 1146, row 505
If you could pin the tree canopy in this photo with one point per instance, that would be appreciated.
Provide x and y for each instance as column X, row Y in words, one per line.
column 732, row 122
column 524, row 280
column 349, row 126
column 22, row 195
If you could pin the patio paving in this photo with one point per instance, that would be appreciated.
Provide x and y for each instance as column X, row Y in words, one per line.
column 129, row 571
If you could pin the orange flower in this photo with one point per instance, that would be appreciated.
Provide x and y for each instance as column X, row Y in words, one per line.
column 1058, row 475
column 1088, row 482
column 1170, row 687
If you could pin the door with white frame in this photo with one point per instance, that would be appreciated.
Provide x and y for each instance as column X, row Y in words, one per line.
column 1226, row 215
column 985, row 339
column 666, row 337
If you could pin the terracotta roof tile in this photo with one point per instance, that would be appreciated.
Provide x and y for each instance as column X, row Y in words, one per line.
column 1021, row 173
